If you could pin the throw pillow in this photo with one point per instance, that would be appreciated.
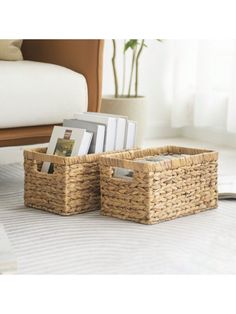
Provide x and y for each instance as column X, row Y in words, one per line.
column 10, row 50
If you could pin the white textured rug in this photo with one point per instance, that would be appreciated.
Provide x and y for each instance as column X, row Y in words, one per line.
column 45, row 243
column 8, row 263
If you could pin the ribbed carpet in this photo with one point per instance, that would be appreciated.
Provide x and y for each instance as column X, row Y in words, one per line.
column 45, row 243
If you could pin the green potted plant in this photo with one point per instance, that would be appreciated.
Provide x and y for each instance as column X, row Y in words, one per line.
column 125, row 103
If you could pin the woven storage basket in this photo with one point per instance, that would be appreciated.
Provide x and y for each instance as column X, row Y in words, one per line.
column 159, row 191
column 72, row 188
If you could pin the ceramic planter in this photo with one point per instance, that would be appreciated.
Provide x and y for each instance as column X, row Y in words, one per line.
column 135, row 108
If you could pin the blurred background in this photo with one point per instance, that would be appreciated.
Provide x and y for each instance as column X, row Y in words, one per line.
column 189, row 86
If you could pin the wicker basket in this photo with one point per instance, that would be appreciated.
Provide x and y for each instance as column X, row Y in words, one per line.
column 72, row 188
column 159, row 191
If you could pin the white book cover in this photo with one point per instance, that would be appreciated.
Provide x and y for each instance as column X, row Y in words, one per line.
column 130, row 136
column 108, row 121
column 98, row 131
column 8, row 262
column 67, row 142
column 227, row 187
column 120, row 128
column 120, row 133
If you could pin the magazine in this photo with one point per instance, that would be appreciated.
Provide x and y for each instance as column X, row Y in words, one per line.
column 67, row 142
column 227, row 187
column 158, row 158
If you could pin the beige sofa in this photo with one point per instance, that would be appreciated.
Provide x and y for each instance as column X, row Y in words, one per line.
column 82, row 56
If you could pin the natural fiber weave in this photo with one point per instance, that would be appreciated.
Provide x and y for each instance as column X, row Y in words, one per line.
column 72, row 188
column 159, row 191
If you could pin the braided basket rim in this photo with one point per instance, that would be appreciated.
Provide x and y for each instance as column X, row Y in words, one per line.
column 39, row 154
column 126, row 159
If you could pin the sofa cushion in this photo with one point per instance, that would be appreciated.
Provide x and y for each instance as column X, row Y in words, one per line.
column 10, row 50
column 35, row 93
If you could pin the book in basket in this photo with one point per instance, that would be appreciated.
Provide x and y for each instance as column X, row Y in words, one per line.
column 67, row 142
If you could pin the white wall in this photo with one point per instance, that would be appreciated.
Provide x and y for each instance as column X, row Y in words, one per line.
column 154, row 77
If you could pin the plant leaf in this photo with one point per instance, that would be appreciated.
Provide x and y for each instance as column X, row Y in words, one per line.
column 132, row 43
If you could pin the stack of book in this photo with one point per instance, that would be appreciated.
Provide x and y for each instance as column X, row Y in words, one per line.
column 89, row 133
column 227, row 187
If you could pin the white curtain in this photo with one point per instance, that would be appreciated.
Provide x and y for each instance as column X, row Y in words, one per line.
column 204, row 84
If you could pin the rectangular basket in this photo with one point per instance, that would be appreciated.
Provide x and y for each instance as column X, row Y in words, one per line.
column 159, row 191
column 72, row 188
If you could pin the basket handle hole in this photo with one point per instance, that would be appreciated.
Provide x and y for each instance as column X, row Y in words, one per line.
column 122, row 173
column 38, row 167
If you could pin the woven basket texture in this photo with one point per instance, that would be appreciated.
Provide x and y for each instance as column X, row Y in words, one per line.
column 159, row 191
column 72, row 188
